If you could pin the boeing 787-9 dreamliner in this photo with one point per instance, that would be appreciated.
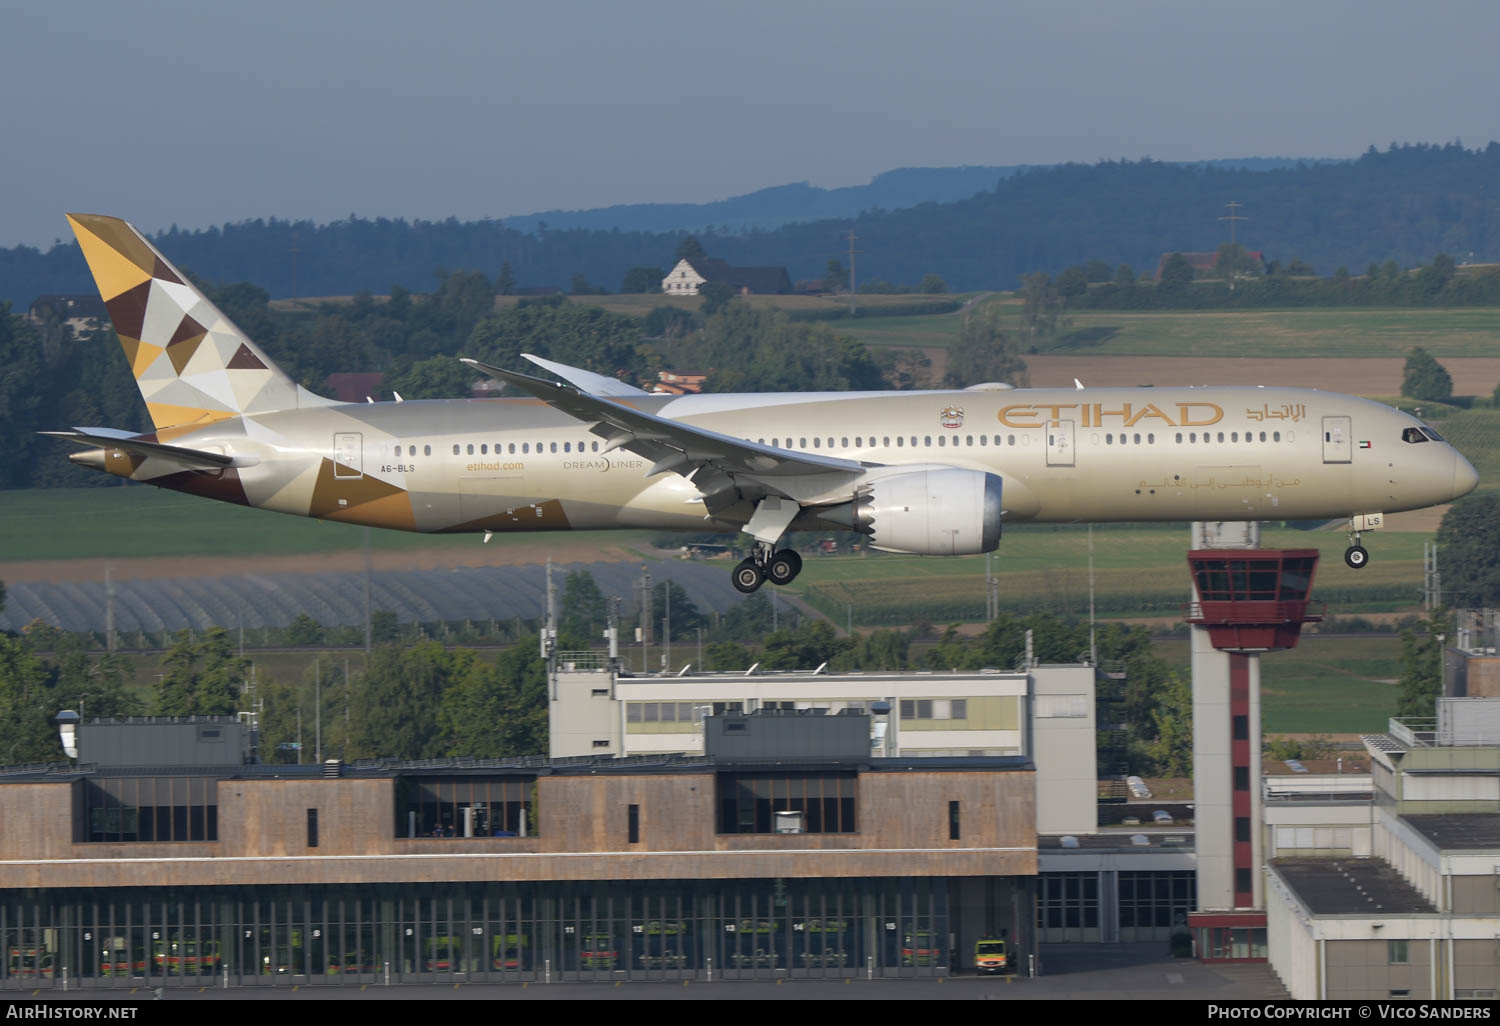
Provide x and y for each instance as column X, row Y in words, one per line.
column 920, row 472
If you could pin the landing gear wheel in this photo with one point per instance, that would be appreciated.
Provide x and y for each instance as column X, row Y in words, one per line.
column 783, row 567
column 747, row 577
column 1356, row 557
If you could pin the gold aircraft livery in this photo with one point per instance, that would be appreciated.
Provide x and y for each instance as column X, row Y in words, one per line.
column 919, row 472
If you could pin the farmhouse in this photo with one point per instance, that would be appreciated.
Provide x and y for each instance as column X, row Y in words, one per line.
column 688, row 277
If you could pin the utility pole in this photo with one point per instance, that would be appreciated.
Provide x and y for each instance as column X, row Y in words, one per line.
column 369, row 612
column 853, row 291
column 1232, row 217
column 645, row 617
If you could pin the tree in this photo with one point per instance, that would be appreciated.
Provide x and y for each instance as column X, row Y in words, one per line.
column 27, row 705
column 1125, row 276
column 984, row 351
column 686, row 617
column 931, row 284
column 1425, row 378
column 1421, row 680
column 495, row 711
column 1234, row 261
column 691, row 250
column 642, row 280
column 1040, row 303
column 1468, row 544
column 204, row 676
column 803, row 648
column 441, row 377
column 1176, row 275
column 716, row 295
column 727, row 656
column 397, row 714
column 304, row 631
column 1172, row 749
column 835, row 277
column 584, row 611
column 505, row 284
column 749, row 621
column 581, row 286
column 1073, row 282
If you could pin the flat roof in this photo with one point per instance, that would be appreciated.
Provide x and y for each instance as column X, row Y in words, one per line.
column 1458, row 832
column 538, row 765
column 1120, row 840
column 1352, row 887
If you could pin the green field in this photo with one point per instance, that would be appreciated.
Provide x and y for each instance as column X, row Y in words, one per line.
column 1339, row 685
column 137, row 520
column 1291, row 333
column 1339, row 332
column 1140, row 570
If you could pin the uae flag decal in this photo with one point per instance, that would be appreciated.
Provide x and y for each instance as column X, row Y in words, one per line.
column 1364, row 445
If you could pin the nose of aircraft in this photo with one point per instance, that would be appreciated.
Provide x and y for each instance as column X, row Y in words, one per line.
column 1465, row 477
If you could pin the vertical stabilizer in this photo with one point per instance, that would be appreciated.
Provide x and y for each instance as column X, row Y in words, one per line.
column 192, row 365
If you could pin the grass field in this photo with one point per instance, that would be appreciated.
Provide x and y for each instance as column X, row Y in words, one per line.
column 1140, row 570
column 1337, row 685
column 1341, row 332
column 1286, row 333
column 135, row 521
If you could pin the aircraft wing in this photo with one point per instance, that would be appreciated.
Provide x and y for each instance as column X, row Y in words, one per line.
column 586, row 381
column 112, row 438
column 715, row 463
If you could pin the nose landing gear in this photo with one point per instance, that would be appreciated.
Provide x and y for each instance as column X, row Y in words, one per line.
column 766, row 564
column 1355, row 555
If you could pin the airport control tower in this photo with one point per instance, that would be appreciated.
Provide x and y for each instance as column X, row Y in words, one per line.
column 1246, row 600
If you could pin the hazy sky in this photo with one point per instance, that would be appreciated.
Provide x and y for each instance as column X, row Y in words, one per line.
column 194, row 113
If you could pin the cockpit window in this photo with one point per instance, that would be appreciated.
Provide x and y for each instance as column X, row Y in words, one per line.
column 1432, row 434
column 1413, row 435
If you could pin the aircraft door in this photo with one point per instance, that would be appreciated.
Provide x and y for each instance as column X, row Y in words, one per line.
column 1336, row 445
column 348, row 455
column 1060, row 443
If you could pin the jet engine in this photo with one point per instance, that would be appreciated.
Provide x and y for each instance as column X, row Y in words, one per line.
column 939, row 512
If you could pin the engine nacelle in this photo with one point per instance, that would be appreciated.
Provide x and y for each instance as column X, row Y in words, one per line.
column 939, row 512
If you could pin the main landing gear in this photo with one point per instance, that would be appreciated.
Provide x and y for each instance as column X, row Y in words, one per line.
column 766, row 564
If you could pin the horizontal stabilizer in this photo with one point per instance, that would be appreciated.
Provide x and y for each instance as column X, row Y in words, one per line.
column 112, row 438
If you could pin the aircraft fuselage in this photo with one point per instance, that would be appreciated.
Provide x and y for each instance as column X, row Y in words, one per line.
column 1097, row 455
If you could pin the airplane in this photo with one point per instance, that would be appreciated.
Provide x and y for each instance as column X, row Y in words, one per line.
column 930, row 472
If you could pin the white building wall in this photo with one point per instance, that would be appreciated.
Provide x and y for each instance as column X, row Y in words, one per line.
column 1213, row 777
column 1290, row 946
column 682, row 280
column 834, row 693
column 583, row 712
column 1065, row 747
column 1411, row 855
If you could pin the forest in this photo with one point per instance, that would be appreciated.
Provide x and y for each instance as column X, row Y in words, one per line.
column 1403, row 204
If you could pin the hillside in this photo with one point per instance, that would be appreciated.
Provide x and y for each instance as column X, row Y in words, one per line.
column 1405, row 204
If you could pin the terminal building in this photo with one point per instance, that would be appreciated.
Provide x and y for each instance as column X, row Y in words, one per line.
column 785, row 849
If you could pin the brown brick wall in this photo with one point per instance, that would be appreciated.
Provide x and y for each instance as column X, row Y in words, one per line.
column 903, row 821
